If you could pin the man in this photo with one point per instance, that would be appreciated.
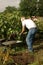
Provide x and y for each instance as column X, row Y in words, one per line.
column 31, row 26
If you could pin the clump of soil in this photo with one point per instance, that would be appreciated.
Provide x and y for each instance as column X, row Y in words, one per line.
column 23, row 58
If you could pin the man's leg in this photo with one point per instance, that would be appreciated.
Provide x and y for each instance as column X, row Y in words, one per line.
column 30, row 38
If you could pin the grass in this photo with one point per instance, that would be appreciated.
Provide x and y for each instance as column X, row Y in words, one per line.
column 38, row 55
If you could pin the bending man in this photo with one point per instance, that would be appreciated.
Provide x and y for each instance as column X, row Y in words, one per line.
column 31, row 26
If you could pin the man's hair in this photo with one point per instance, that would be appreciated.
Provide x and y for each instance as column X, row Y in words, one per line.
column 22, row 18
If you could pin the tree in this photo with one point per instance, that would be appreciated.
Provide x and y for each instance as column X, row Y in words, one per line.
column 10, row 9
column 10, row 22
column 41, row 7
column 28, row 7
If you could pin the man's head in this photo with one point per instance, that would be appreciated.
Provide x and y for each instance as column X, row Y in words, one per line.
column 34, row 18
column 22, row 18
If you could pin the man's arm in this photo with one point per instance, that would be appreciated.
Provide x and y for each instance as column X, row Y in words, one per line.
column 23, row 29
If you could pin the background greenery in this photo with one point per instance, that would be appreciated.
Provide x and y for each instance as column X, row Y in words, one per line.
column 10, row 24
column 10, row 18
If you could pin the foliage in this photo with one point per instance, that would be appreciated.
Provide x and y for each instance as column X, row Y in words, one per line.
column 35, row 63
column 31, row 7
column 28, row 7
column 9, row 22
column 39, row 23
column 41, row 7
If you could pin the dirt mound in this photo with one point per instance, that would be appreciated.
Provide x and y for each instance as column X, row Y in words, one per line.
column 23, row 58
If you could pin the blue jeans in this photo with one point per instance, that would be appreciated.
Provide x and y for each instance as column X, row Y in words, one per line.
column 30, row 38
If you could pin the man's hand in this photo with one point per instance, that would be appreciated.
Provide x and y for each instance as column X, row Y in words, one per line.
column 20, row 34
column 25, row 33
column 23, row 29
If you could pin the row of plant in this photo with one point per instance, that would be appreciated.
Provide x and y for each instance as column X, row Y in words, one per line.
column 10, row 23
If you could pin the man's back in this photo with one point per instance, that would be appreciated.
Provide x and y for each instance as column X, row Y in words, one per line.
column 29, row 23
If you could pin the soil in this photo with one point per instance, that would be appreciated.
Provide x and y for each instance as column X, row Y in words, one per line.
column 24, row 57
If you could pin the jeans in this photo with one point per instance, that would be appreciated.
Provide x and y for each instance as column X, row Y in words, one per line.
column 30, row 38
